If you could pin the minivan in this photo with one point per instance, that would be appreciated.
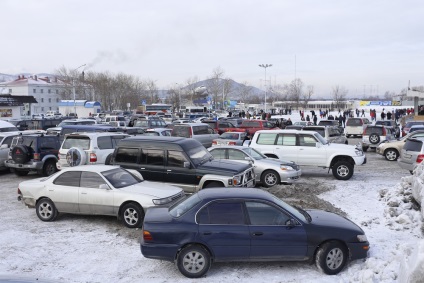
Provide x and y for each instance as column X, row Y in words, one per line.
column 412, row 154
column 198, row 131
column 356, row 126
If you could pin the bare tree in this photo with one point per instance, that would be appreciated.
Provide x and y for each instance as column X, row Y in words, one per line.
column 306, row 96
column 215, row 85
column 295, row 91
column 189, row 91
column 339, row 95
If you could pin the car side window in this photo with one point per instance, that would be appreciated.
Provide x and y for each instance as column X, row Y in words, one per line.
column 116, row 139
column 126, row 155
column 236, row 154
column 265, row 214
column 218, row 153
column 71, row 178
column 307, row 140
column 286, row 139
column 104, row 142
column 8, row 141
column 176, row 158
column 152, row 157
column 91, row 180
column 222, row 213
column 267, row 138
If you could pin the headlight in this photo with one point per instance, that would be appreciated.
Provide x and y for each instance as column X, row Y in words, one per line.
column 236, row 180
column 286, row 168
column 362, row 238
column 359, row 152
column 166, row 200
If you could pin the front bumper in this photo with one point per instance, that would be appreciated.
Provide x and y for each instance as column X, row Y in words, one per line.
column 290, row 176
column 32, row 165
column 358, row 250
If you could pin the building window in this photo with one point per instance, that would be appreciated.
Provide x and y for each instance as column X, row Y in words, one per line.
column 34, row 90
column 50, row 100
column 49, row 91
column 42, row 99
column 57, row 100
column 42, row 109
column 42, row 90
column 50, row 108
column 57, row 91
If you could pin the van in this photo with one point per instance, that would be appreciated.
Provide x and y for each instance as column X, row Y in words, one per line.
column 198, row 131
column 7, row 127
column 68, row 129
column 356, row 126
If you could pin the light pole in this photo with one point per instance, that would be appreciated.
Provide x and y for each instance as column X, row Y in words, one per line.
column 265, row 66
column 73, row 89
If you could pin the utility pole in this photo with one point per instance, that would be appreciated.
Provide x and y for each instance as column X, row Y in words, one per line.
column 265, row 66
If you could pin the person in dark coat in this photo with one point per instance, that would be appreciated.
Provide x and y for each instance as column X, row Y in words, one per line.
column 315, row 120
column 289, row 122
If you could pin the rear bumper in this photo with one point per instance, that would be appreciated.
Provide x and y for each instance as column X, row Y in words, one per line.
column 407, row 166
column 33, row 165
column 166, row 252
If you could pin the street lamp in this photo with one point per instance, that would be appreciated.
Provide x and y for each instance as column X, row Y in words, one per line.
column 265, row 66
column 73, row 89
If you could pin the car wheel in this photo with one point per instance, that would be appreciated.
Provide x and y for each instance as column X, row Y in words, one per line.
column 391, row 154
column 46, row 210
column 193, row 261
column 343, row 170
column 49, row 168
column 213, row 185
column 132, row 215
column 21, row 172
column 270, row 178
column 374, row 138
column 364, row 148
column 331, row 257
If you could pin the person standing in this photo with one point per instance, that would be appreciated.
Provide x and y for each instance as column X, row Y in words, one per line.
column 315, row 120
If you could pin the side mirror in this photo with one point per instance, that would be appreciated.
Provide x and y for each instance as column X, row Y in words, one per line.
column 104, row 187
column 249, row 159
column 290, row 223
column 318, row 144
column 186, row 164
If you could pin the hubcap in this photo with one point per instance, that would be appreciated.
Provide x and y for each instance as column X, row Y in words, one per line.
column 194, row 262
column 270, row 179
column 343, row 171
column 334, row 258
column 373, row 138
column 131, row 216
column 391, row 155
column 45, row 210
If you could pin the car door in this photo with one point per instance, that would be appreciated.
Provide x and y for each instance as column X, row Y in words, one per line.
column 286, row 148
column 223, row 229
column 92, row 199
column 176, row 172
column 272, row 236
column 152, row 164
column 308, row 152
column 64, row 191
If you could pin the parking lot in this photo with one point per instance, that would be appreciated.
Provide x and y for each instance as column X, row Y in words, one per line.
column 77, row 248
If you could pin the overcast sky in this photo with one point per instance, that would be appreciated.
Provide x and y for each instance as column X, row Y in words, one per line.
column 371, row 46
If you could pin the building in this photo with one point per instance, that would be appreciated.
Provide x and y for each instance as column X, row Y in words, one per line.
column 45, row 91
column 10, row 106
column 83, row 108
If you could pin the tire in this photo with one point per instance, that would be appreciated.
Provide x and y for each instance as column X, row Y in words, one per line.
column 374, row 139
column 391, row 154
column 46, row 210
column 270, row 178
column 193, row 261
column 21, row 172
column 132, row 215
column 75, row 157
column 213, row 185
column 343, row 170
column 108, row 159
column 49, row 168
column 331, row 257
column 21, row 154
column 364, row 148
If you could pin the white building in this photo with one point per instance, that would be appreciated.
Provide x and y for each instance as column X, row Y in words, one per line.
column 82, row 108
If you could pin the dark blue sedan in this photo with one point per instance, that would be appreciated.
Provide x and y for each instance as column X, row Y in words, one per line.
column 248, row 225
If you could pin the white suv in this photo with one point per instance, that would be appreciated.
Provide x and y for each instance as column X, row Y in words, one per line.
column 308, row 148
column 88, row 148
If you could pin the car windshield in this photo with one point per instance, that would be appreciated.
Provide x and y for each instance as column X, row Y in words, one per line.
column 320, row 138
column 120, row 178
column 182, row 207
column 141, row 123
column 254, row 153
column 298, row 213
column 199, row 155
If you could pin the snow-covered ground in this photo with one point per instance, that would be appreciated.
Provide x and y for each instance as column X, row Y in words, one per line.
column 99, row 249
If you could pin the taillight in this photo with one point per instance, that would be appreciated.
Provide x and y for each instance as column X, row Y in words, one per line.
column 93, row 157
column 214, row 142
column 420, row 158
column 231, row 143
column 190, row 134
column 147, row 236
column 36, row 156
column 19, row 191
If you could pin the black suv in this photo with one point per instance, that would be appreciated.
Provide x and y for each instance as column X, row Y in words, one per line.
column 36, row 124
column 36, row 152
column 181, row 162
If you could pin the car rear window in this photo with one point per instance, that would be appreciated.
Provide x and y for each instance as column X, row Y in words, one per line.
column 413, row 145
column 354, row 122
column 181, row 131
column 374, row 130
column 80, row 142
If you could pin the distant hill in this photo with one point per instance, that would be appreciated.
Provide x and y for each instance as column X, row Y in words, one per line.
column 234, row 87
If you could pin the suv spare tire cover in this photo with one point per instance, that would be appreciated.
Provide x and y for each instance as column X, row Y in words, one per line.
column 21, row 154
column 75, row 156
column 374, row 138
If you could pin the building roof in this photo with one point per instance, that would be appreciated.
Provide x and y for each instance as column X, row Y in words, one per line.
column 16, row 100
column 85, row 103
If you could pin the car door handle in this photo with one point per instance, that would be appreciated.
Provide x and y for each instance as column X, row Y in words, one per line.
column 257, row 233
column 142, row 168
column 207, row 233
column 168, row 170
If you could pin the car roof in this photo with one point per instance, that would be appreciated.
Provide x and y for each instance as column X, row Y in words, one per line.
column 92, row 168
column 228, row 146
column 91, row 134
column 286, row 131
column 245, row 193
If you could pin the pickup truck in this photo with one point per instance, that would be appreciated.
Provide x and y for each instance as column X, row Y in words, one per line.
column 251, row 126
column 221, row 126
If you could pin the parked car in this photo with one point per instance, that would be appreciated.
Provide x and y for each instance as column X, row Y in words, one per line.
column 88, row 148
column 374, row 135
column 69, row 129
column 412, row 154
column 221, row 126
column 302, row 123
column 408, row 125
column 182, row 162
column 5, row 143
column 165, row 132
column 198, row 131
column 416, row 128
column 308, row 148
column 330, row 133
column 390, row 123
column 356, row 126
column 98, row 190
column 391, row 150
column 150, row 122
column 37, row 124
column 230, row 138
column 33, row 152
column 268, row 171
column 220, row 225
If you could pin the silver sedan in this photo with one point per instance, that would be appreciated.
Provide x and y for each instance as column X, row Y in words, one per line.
column 230, row 138
column 268, row 171
column 98, row 190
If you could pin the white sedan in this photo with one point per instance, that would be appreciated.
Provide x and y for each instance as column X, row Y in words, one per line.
column 97, row 190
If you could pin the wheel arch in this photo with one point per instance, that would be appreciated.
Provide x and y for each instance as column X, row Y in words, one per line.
column 45, row 197
column 195, row 244
column 343, row 243
column 119, row 215
column 342, row 158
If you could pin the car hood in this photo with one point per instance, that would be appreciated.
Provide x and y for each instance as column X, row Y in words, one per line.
column 224, row 165
column 332, row 220
column 273, row 161
column 341, row 146
column 159, row 190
